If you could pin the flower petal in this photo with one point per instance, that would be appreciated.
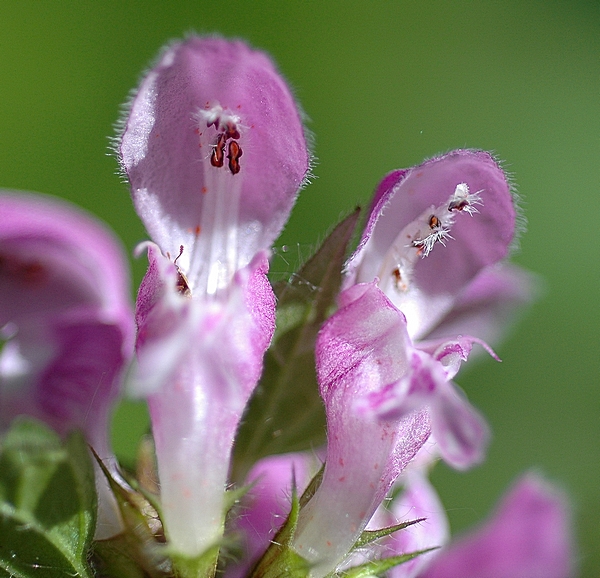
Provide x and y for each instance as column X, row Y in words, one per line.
column 267, row 504
column 418, row 500
column 528, row 537
column 213, row 350
column 460, row 431
column 489, row 305
column 65, row 311
column 469, row 242
column 200, row 91
column 359, row 350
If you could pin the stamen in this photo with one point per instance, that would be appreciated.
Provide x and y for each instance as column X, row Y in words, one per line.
column 462, row 200
column 228, row 123
column 218, row 154
column 213, row 254
column 418, row 238
column 235, row 152
column 182, row 284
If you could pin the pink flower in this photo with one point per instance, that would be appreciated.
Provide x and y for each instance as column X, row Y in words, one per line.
column 264, row 509
column 66, row 321
column 359, row 351
column 434, row 243
column 215, row 153
column 428, row 256
column 528, row 537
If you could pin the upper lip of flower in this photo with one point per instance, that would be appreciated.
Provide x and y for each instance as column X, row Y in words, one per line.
column 215, row 152
column 461, row 200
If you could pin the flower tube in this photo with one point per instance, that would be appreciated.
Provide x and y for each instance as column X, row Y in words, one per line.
column 215, row 153
column 360, row 350
column 66, row 323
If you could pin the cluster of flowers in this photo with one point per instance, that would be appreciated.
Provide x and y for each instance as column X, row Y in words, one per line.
column 215, row 152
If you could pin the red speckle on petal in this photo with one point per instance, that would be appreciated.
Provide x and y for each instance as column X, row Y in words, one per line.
column 29, row 273
column 376, row 467
column 33, row 273
column 342, row 462
column 328, row 543
column 204, row 190
column 342, row 479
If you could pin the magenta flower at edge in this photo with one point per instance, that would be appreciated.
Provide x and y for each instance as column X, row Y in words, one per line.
column 67, row 324
column 528, row 537
column 215, row 153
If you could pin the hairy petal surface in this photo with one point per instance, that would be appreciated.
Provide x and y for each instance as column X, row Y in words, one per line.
column 431, row 230
column 204, row 98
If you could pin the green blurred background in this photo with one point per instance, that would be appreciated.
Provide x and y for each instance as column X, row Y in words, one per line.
column 385, row 85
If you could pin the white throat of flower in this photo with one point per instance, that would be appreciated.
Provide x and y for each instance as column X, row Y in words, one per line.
column 213, row 258
column 418, row 239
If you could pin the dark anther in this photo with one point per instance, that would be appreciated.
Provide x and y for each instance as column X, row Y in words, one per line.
column 231, row 131
column 218, row 154
column 434, row 222
column 458, row 205
column 235, row 152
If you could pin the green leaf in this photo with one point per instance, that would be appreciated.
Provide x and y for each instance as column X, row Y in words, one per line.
column 47, row 503
column 376, row 568
column 137, row 551
column 286, row 413
column 369, row 536
column 280, row 560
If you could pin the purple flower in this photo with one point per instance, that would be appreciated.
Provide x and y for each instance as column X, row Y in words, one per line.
column 428, row 257
column 528, row 537
column 215, row 153
column 434, row 240
column 361, row 349
column 265, row 507
column 66, row 323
